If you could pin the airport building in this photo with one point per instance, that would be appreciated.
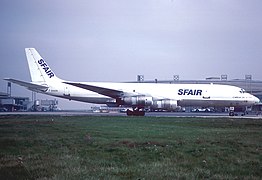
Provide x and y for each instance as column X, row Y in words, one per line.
column 15, row 103
column 8, row 103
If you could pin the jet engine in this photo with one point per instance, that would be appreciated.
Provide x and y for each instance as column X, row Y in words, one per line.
column 141, row 100
column 167, row 104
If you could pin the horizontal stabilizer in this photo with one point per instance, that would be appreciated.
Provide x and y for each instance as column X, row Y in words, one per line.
column 28, row 85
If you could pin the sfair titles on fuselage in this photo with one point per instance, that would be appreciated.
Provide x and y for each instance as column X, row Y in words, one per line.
column 194, row 92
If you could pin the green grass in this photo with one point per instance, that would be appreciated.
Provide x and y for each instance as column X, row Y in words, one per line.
column 87, row 147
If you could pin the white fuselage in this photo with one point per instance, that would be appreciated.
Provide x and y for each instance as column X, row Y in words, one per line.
column 204, row 95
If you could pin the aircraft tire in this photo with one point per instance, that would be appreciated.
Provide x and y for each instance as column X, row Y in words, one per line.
column 129, row 113
column 231, row 113
column 135, row 113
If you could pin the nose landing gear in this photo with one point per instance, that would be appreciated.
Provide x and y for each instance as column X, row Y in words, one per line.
column 234, row 111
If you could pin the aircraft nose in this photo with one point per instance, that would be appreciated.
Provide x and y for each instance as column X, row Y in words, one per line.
column 256, row 100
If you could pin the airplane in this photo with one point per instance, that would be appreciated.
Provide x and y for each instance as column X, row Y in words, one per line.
column 137, row 96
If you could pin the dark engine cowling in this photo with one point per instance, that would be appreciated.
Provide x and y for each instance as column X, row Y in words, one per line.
column 140, row 101
column 167, row 104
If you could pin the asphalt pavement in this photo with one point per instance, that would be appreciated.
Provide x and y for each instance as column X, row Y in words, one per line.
column 149, row 114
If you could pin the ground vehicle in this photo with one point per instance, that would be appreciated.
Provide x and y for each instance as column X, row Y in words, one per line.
column 201, row 110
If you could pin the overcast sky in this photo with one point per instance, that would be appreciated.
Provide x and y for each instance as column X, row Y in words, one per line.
column 115, row 40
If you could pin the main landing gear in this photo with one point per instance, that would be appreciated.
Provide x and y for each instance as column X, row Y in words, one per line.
column 135, row 112
column 232, row 113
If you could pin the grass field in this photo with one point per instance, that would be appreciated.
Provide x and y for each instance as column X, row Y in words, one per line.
column 87, row 147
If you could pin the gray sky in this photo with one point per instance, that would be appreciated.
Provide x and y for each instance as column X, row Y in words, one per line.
column 115, row 40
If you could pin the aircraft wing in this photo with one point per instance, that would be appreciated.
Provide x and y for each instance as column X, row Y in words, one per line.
column 100, row 90
column 28, row 85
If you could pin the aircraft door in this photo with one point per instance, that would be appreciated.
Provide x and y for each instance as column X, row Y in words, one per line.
column 206, row 94
column 66, row 91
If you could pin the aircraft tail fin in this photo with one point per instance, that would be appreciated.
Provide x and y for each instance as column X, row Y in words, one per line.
column 40, row 72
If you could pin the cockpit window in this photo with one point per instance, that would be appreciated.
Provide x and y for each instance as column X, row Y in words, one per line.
column 242, row 91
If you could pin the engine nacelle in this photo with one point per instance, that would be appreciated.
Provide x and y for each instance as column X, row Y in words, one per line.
column 167, row 104
column 137, row 100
